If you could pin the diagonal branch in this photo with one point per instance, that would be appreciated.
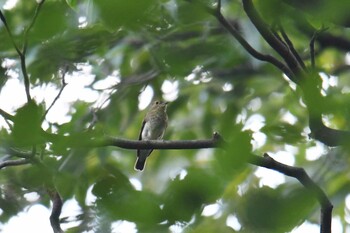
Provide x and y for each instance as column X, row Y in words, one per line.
column 306, row 181
column 263, row 57
column 291, row 47
column 304, row 79
column 26, row 32
column 11, row 163
column 22, row 54
column 6, row 115
column 273, row 41
column 4, row 21
column 64, row 84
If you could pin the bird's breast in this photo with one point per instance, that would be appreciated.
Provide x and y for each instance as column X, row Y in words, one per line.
column 153, row 129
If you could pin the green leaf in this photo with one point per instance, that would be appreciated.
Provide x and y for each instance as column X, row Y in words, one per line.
column 119, row 13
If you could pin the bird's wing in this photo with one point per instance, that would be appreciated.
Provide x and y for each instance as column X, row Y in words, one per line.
column 143, row 126
column 144, row 152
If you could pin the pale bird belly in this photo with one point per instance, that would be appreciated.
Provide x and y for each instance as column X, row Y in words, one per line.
column 152, row 131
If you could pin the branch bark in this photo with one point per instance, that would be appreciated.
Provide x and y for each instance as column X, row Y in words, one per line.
column 9, row 163
column 300, row 174
column 306, row 80
column 57, row 204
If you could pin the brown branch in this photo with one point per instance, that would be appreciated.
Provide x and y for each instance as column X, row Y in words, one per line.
column 215, row 142
column 305, row 80
column 85, row 140
column 263, row 57
column 57, row 204
column 291, row 47
column 11, row 163
column 273, row 41
column 306, row 181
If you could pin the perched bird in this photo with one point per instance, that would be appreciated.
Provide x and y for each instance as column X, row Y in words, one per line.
column 153, row 128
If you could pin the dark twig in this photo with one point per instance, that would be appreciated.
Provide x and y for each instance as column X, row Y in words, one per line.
column 64, row 84
column 26, row 32
column 22, row 55
column 291, row 47
column 306, row 181
column 3, row 19
column 57, row 204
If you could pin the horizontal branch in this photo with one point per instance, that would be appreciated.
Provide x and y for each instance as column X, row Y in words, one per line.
column 214, row 142
column 83, row 140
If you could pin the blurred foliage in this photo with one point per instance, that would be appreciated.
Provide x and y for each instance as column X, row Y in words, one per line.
column 181, row 53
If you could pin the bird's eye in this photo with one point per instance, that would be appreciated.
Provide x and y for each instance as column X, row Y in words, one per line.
column 157, row 102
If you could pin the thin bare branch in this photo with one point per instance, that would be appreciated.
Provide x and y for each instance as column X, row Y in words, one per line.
column 26, row 32
column 22, row 55
column 64, row 84
column 291, row 47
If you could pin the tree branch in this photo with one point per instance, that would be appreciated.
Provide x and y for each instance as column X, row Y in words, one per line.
column 6, row 115
column 305, row 80
column 10, row 163
column 216, row 142
column 300, row 174
column 3, row 19
column 64, row 84
column 85, row 140
column 22, row 54
column 57, row 204
column 273, row 41
column 291, row 47
column 26, row 32
column 267, row 58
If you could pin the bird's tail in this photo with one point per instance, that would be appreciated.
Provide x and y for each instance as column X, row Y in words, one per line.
column 140, row 163
column 141, row 159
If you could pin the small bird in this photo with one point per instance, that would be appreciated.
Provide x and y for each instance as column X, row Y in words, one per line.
column 153, row 128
